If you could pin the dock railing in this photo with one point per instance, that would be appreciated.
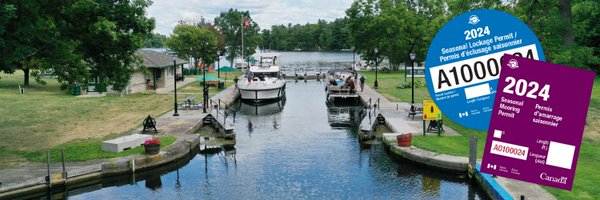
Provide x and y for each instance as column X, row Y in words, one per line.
column 222, row 109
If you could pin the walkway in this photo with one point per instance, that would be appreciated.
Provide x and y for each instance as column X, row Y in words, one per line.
column 396, row 115
column 182, row 127
column 398, row 121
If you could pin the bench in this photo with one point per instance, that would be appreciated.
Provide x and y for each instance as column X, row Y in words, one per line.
column 436, row 126
column 189, row 103
column 414, row 109
column 125, row 142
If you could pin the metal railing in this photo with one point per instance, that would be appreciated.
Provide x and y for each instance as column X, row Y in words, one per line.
column 371, row 109
column 222, row 109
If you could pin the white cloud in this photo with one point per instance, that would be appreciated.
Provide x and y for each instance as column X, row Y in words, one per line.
column 265, row 12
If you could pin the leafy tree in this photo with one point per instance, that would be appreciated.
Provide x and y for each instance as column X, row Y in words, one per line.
column 587, row 32
column 569, row 31
column 220, row 39
column 395, row 28
column 7, row 14
column 108, row 34
column 322, row 36
column 155, row 41
column 265, row 36
column 77, row 39
column 193, row 41
column 230, row 25
column 28, row 30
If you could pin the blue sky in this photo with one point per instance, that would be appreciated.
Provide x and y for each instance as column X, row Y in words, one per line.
column 264, row 12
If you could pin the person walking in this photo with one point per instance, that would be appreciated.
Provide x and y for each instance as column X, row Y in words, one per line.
column 362, row 83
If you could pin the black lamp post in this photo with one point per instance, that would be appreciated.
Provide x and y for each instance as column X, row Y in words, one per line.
column 205, row 89
column 376, row 84
column 412, row 61
column 353, row 59
column 219, row 64
column 175, row 83
column 219, row 54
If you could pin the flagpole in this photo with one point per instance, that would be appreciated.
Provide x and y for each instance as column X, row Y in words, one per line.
column 242, row 27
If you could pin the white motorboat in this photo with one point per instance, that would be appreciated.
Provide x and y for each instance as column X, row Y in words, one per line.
column 265, row 82
column 240, row 64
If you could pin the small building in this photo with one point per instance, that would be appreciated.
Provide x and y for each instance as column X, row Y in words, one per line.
column 159, row 73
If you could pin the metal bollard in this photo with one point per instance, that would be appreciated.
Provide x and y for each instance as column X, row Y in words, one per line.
column 132, row 164
column 62, row 152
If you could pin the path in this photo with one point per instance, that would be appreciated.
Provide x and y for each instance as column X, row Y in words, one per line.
column 396, row 115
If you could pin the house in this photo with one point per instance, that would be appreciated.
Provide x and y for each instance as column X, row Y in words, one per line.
column 158, row 73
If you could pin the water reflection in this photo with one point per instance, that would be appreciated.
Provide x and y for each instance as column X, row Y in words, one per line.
column 265, row 108
column 304, row 158
column 343, row 117
column 154, row 182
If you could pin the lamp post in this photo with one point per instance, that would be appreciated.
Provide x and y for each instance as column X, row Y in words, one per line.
column 353, row 59
column 219, row 64
column 175, row 83
column 376, row 84
column 205, row 89
column 412, row 61
column 219, row 54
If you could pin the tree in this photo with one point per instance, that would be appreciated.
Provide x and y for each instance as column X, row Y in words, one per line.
column 587, row 32
column 155, row 41
column 322, row 36
column 79, row 40
column 230, row 25
column 573, row 40
column 190, row 41
column 265, row 36
column 28, row 34
column 220, row 39
column 7, row 14
column 108, row 34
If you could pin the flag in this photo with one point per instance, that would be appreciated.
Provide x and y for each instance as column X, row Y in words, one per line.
column 246, row 23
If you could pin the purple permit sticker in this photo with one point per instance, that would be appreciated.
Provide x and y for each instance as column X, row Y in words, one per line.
column 537, row 122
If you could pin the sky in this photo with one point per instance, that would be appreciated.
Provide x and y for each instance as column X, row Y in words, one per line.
column 264, row 12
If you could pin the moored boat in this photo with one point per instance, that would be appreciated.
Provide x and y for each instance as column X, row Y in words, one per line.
column 262, row 81
column 341, row 85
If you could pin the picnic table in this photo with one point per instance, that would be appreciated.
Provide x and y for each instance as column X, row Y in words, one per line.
column 414, row 109
column 190, row 103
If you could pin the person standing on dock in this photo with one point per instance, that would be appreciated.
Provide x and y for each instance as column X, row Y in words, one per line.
column 351, row 86
column 362, row 83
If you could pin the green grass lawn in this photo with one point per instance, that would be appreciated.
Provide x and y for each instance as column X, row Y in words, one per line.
column 586, row 176
column 86, row 149
column 46, row 117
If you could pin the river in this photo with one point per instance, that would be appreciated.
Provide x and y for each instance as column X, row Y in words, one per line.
column 295, row 149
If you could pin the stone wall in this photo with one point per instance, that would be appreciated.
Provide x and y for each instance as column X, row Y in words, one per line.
column 138, row 83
